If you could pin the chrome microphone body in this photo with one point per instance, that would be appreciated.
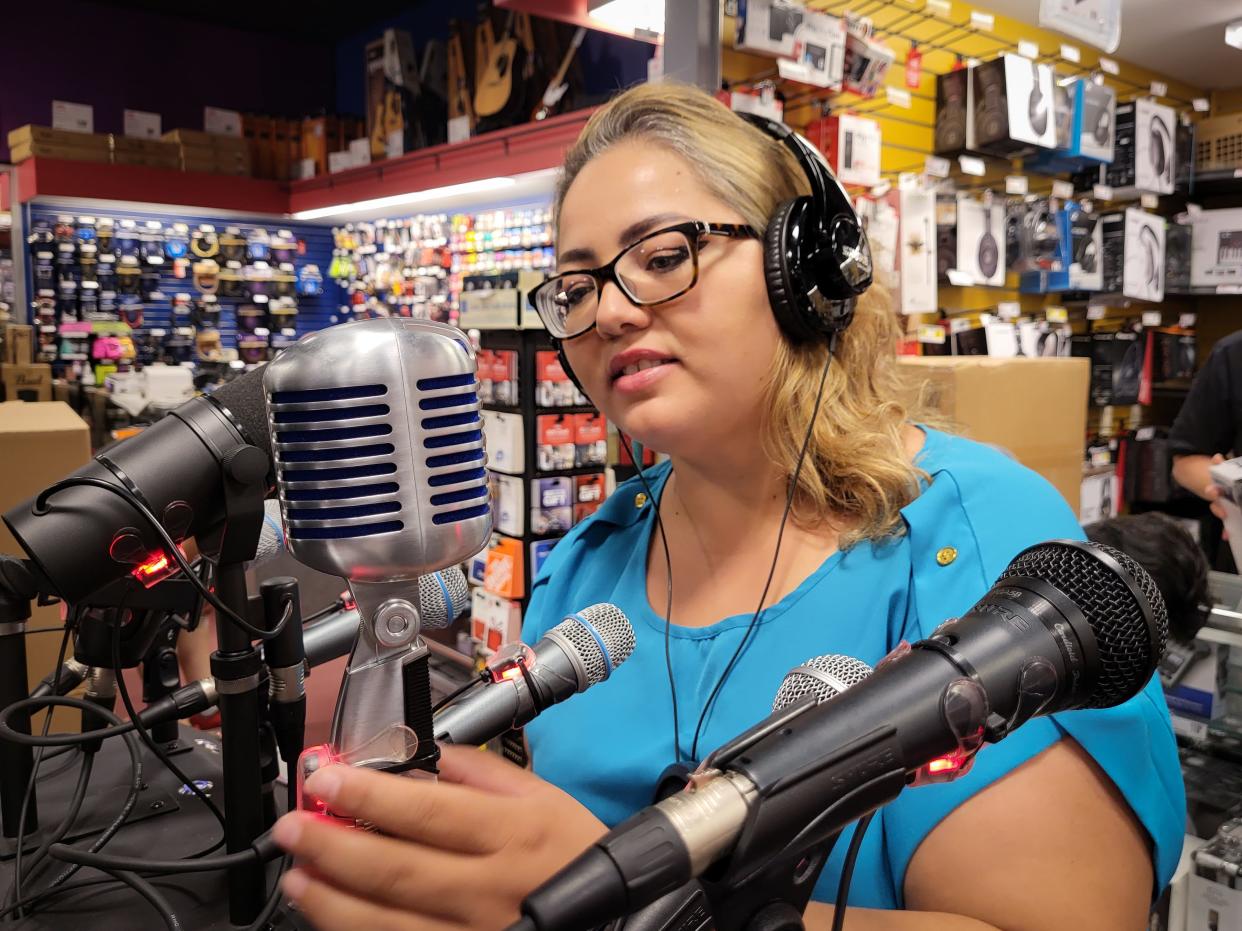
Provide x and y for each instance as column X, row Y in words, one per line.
column 378, row 445
column 579, row 652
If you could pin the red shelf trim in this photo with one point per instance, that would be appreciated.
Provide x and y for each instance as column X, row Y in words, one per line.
column 519, row 149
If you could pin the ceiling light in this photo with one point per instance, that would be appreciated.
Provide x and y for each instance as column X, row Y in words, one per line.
column 1233, row 34
column 636, row 17
column 414, row 197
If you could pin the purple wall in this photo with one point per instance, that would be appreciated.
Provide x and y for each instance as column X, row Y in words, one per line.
column 116, row 59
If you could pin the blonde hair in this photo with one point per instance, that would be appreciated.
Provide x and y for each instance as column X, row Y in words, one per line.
column 857, row 475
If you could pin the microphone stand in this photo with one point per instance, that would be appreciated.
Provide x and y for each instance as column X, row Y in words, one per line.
column 17, row 590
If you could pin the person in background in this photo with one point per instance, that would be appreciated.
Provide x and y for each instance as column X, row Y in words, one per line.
column 807, row 508
column 1208, row 428
column 1171, row 556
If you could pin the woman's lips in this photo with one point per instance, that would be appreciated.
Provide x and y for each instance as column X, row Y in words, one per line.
column 642, row 379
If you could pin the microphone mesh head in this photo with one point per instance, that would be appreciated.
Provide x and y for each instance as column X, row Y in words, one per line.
column 821, row 676
column 585, row 631
column 442, row 597
column 1130, row 629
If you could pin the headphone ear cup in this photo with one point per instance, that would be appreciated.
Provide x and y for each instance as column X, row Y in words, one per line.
column 779, row 251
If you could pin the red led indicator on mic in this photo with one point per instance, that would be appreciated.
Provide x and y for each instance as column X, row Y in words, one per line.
column 155, row 569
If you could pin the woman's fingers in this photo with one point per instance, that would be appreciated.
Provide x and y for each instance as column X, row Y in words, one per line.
column 334, row 910
column 383, row 870
column 470, row 766
column 438, row 814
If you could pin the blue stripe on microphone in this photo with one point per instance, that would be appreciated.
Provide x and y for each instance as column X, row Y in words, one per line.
column 598, row 639
column 448, row 599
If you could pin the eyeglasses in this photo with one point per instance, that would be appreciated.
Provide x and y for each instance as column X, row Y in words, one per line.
column 654, row 270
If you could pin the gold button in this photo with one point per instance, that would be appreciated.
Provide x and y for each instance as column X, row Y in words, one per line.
column 946, row 555
column 640, row 499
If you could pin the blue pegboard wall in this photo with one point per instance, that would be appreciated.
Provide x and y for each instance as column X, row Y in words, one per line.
column 314, row 313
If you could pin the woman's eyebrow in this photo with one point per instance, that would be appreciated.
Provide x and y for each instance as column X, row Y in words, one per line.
column 624, row 238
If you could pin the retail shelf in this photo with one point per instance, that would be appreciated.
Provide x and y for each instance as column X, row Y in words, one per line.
column 515, row 151
column 55, row 178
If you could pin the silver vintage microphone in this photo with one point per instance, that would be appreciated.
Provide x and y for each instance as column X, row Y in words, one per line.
column 378, row 447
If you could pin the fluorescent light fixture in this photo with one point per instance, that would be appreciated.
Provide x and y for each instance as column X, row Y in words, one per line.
column 632, row 16
column 1233, row 34
column 447, row 192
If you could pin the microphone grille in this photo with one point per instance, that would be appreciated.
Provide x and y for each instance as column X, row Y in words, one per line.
column 442, row 597
column 1122, row 605
column 821, row 676
column 602, row 637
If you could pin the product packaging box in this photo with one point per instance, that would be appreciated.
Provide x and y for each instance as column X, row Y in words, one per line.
column 1177, row 252
column 1031, row 408
column 1116, row 367
column 915, row 250
column 494, row 620
column 41, row 444
column 1155, row 157
column 506, row 445
column 590, row 440
column 26, row 381
column 852, row 146
column 1216, row 248
column 1143, row 275
column 508, row 504
column 1095, row 117
column 551, row 505
column 951, row 113
column 42, row 141
column 552, row 386
column 1086, row 234
column 16, row 344
column 555, row 448
column 1011, row 105
column 981, row 241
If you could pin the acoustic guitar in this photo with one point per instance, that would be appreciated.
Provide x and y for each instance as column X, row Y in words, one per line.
column 460, row 103
column 496, row 90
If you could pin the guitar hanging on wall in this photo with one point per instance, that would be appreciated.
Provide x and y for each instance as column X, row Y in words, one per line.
column 555, row 93
column 501, row 87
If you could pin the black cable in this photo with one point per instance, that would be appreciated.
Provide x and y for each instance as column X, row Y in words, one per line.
column 46, row 893
column 776, row 553
column 337, row 605
column 668, row 608
column 151, row 894
column 457, row 693
column 263, row 849
column 40, row 507
column 71, row 815
column 135, row 784
column 15, row 889
column 145, row 735
column 847, row 871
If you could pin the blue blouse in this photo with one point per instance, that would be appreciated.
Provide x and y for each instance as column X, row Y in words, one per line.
column 608, row 746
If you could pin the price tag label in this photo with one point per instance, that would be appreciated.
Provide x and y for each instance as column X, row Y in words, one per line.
column 75, row 117
column 1008, row 310
column 1149, row 201
column 1028, row 49
column 936, row 167
column 879, row 190
column 971, row 165
column 1096, row 311
column 224, row 122
column 1062, row 190
column 141, row 124
column 1016, row 184
column 1143, row 434
column 459, row 128
column 1102, row 192
column 1159, row 89
column 1070, row 53
column 1152, row 318
column 1201, row 105
column 907, row 181
column 1057, row 315
column 1108, row 66
column 1229, row 289
column 960, row 279
column 1186, row 321
column 939, row 7
column 932, row 333
column 898, row 97
column 981, row 20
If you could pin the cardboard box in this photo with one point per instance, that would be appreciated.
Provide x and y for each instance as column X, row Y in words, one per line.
column 72, row 153
column 42, row 443
column 30, row 381
column 30, row 135
column 150, row 153
column 16, row 344
column 1034, row 409
column 1216, row 248
column 203, row 140
column 1010, row 103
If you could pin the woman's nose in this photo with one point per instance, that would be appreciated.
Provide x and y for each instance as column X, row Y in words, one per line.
column 616, row 313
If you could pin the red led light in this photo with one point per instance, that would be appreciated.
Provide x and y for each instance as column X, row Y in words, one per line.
column 945, row 764
column 155, row 569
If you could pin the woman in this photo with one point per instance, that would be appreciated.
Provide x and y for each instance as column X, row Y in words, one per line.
column 1074, row 821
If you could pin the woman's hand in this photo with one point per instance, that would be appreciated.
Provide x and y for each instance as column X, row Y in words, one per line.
column 461, row 852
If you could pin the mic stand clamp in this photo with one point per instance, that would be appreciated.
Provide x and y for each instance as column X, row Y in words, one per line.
column 387, row 681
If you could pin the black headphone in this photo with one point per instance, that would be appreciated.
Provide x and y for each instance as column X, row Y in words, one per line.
column 950, row 133
column 1151, row 247
column 1036, row 109
column 816, row 258
column 991, row 121
column 988, row 255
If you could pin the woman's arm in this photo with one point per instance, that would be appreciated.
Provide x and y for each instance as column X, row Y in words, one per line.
column 1052, row 845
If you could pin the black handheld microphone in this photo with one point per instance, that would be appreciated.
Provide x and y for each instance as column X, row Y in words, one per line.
column 579, row 652
column 1068, row 625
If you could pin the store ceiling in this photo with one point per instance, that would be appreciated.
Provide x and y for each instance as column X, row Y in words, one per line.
column 1183, row 39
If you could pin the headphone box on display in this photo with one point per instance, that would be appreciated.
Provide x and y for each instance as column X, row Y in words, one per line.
column 1216, row 248
column 1116, row 367
column 1113, row 236
column 915, row 252
column 852, row 146
column 1143, row 259
column 1086, row 236
column 981, row 241
column 1155, row 154
column 1011, row 106
column 951, row 113
column 1177, row 238
column 1085, row 130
